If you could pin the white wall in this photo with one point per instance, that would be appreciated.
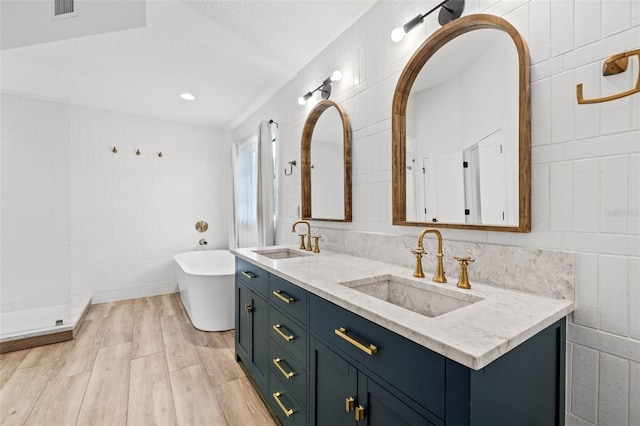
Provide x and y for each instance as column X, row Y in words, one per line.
column 30, row 22
column 585, row 162
column 80, row 218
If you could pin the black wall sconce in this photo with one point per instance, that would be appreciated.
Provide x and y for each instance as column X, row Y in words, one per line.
column 449, row 10
column 325, row 88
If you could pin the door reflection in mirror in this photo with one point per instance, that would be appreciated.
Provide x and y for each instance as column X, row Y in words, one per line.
column 462, row 133
column 327, row 159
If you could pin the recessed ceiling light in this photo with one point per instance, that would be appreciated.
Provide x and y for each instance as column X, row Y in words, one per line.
column 187, row 96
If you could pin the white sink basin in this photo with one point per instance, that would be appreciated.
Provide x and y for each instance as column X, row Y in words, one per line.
column 281, row 253
column 424, row 298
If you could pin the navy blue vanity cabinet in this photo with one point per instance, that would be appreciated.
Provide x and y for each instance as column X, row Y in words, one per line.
column 315, row 363
column 288, row 349
column 252, row 318
column 383, row 373
column 343, row 395
column 397, row 381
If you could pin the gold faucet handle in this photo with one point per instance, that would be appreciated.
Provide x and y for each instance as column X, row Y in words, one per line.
column 419, row 273
column 316, row 245
column 463, row 281
column 302, row 245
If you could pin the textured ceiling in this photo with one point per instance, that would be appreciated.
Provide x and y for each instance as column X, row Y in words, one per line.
column 233, row 55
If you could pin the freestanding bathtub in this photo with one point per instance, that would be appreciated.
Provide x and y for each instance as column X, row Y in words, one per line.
column 206, row 282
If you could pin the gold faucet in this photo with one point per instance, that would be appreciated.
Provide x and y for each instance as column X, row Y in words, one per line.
column 439, row 275
column 306, row 247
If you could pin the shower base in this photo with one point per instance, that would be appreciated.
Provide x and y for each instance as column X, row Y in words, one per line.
column 23, row 329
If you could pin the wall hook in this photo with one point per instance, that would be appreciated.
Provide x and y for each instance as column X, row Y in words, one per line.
column 160, row 154
column 138, row 152
column 613, row 65
column 114, row 150
column 291, row 164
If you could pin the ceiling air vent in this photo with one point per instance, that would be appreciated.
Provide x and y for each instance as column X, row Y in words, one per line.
column 64, row 8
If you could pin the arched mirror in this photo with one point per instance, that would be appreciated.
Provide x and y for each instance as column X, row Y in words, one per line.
column 461, row 130
column 326, row 164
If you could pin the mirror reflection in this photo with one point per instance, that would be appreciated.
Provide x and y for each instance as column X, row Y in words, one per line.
column 326, row 164
column 461, row 129
column 462, row 133
column 327, row 159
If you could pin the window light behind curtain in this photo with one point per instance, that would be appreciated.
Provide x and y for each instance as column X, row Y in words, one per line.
column 247, row 179
column 252, row 215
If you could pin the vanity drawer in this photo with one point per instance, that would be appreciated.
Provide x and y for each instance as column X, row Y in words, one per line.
column 290, row 335
column 416, row 371
column 288, row 369
column 290, row 298
column 253, row 276
column 288, row 408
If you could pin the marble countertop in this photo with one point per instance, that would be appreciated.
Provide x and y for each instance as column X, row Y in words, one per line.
column 474, row 335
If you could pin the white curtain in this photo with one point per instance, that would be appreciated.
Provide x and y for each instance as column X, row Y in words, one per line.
column 252, row 215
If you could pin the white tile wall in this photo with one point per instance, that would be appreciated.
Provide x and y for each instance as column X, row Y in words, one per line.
column 585, row 196
column 35, row 226
column 584, row 389
column 613, row 395
column 78, row 219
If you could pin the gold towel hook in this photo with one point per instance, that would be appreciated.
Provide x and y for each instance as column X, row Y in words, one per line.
column 613, row 65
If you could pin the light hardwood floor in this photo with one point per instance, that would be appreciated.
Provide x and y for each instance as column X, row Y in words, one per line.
column 133, row 362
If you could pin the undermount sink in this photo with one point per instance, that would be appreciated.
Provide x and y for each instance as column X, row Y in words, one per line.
column 281, row 253
column 413, row 295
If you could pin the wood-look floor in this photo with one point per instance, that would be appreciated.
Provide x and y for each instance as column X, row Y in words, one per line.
column 133, row 362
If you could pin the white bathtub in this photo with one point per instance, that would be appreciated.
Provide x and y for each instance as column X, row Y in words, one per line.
column 206, row 282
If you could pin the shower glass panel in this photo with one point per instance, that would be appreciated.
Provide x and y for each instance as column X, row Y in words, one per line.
column 35, row 142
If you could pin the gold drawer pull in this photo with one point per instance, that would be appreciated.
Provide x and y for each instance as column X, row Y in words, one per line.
column 249, row 274
column 369, row 350
column 288, row 375
column 282, row 297
column 359, row 413
column 286, row 337
column 349, row 404
column 286, row 412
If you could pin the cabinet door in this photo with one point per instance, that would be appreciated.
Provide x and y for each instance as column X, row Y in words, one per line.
column 252, row 337
column 333, row 381
column 261, row 338
column 382, row 408
column 244, row 321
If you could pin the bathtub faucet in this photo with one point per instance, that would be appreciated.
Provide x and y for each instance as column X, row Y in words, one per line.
column 202, row 242
column 306, row 247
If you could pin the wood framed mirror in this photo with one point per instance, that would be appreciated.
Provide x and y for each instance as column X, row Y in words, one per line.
column 326, row 163
column 461, row 130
